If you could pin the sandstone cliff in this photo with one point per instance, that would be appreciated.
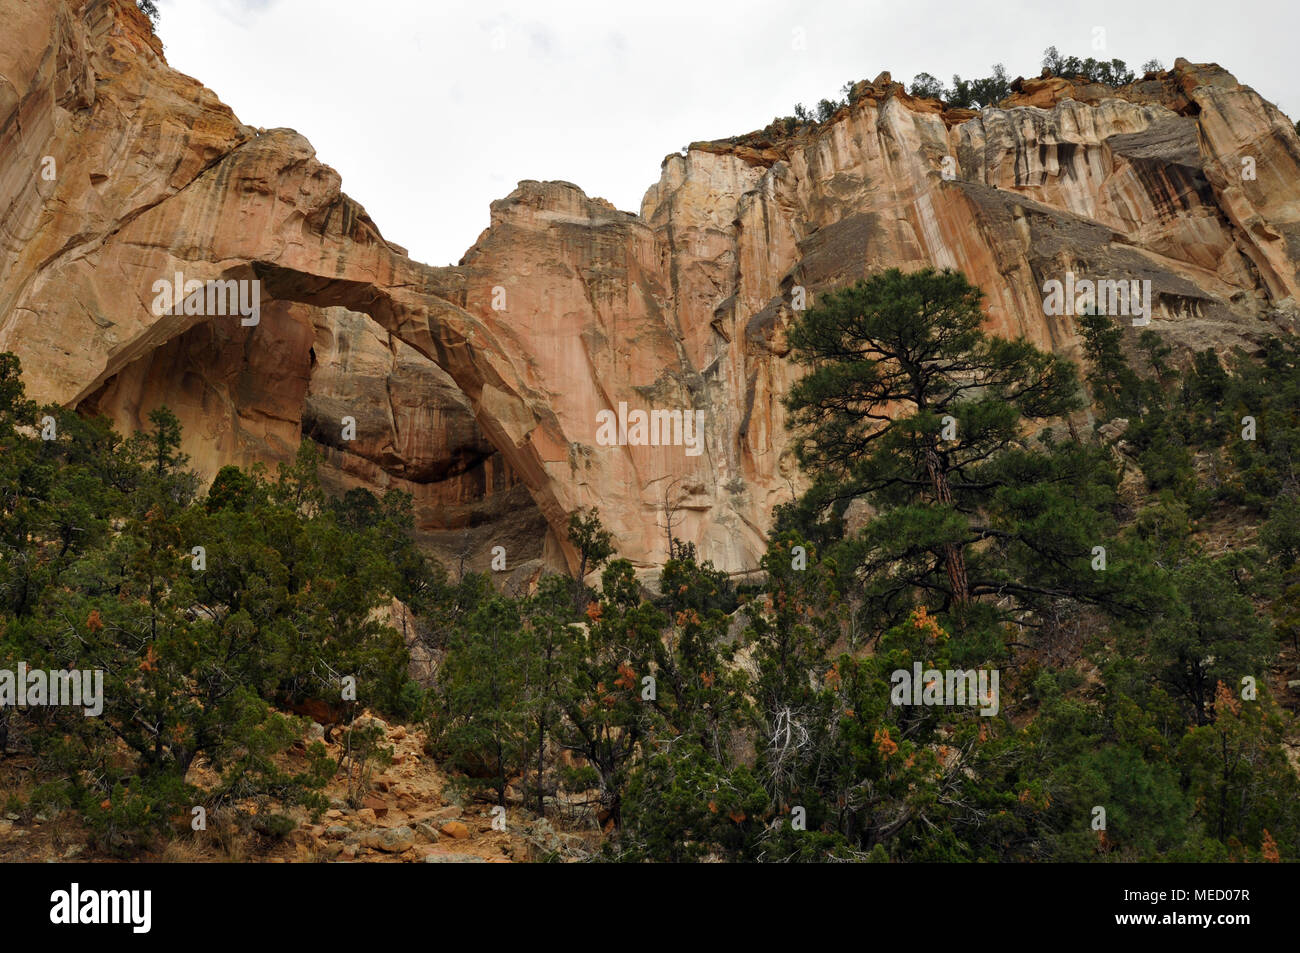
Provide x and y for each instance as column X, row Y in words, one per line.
column 477, row 388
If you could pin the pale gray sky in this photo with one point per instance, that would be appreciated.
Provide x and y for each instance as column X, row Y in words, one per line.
column 430, row 109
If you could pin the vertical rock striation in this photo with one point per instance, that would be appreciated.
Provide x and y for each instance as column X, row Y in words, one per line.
column 479, row 388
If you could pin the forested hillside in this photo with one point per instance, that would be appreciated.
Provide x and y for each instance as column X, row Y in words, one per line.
column 1128, row 585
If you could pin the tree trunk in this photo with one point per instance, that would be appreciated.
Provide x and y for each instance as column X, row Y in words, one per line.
column 953, row 559
column 580, row 587
column 541, row 744
column 501, row 776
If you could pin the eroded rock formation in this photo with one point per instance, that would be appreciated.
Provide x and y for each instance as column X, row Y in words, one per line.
column 479, row 387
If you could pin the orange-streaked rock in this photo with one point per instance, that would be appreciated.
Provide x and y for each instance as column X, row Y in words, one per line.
column 478, row 387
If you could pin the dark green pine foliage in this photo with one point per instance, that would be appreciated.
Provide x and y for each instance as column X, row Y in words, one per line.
column 484, row 729
column 910, row 406
column 203, row 613
column 704, row 721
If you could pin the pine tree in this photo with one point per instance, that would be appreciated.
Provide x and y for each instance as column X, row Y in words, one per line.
column 484, row 723
column 594, row 544
column 909, row 405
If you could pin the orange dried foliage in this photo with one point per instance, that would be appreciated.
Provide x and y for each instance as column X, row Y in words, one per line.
column 886, row 745
column 1225, row 700
column 1268, row 848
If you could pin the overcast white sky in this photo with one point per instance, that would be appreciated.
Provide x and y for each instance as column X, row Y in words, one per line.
column 430, row 109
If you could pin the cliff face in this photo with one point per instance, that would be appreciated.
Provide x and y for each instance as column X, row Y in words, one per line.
column 478, row 388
